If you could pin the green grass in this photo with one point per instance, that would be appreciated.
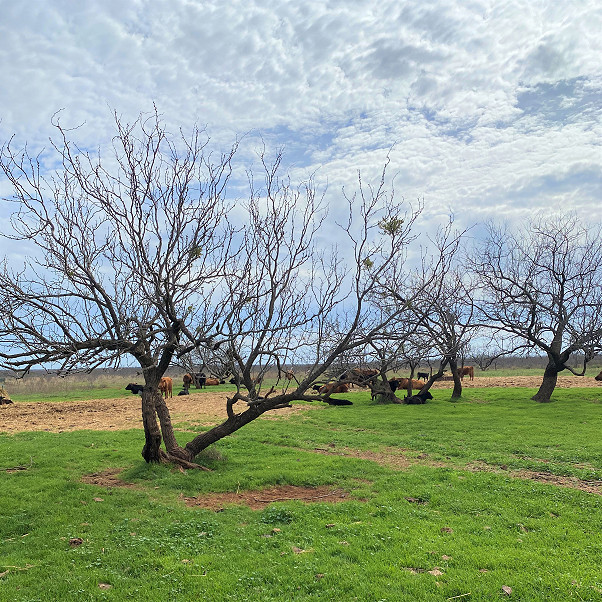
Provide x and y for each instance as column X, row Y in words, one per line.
column 480, row 530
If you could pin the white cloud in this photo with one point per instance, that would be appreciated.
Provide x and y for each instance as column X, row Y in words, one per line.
column 483, row 101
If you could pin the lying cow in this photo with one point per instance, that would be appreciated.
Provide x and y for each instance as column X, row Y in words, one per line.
column 599, row 377
column 419, row 398
column 337, row 402
column 135, row 389
column 209, row 381
column 331, row 388
column 360, row 376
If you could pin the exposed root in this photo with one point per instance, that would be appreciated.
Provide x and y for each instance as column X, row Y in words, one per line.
column 168, row 458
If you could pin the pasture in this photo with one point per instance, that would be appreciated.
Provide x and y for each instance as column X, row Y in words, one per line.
column 492, row 497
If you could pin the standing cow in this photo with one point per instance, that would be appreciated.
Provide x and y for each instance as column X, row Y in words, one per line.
column 166, row 386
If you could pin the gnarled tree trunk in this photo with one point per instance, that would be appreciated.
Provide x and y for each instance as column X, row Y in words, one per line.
column 550, row 377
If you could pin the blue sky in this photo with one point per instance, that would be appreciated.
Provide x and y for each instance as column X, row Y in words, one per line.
column 491, row 108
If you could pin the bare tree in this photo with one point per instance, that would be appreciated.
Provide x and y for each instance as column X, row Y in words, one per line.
column 541, row 290
column 292, row 303
column 136, row 256
column 439, row 297
column 128, row 248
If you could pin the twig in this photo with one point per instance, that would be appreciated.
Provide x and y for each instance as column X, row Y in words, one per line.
column 15, row 468
column 460, row 596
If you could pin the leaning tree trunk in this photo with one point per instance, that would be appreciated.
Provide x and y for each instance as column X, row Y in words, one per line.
column 457, row 392
column 550, row 377
column 232, row 424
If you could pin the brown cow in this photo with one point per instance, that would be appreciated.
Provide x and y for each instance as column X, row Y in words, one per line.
column 599, row 377
column 331, row 388
column 188, row 380
column 466, row 370
column 210, row 381
column 166, row 386
column 360, row 376
column 402, row 383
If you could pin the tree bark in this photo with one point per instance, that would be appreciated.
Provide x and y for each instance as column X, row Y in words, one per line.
column 151, row 451
column 457, row 392
column 382, row 393
column 548, row 384
column 232, row 424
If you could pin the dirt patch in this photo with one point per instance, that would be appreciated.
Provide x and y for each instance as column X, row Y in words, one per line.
column 564, row 382
column 199, row 409
column 256, row 500
column 108, row 478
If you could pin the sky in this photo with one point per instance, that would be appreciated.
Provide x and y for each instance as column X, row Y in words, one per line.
column 486, row 108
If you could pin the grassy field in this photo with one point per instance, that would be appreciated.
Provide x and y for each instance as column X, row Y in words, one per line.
column 435, row 508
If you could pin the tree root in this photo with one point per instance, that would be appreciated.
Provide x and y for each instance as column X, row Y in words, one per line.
column 168, row 458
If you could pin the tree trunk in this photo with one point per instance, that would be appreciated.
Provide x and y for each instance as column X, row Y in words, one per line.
column 151, row 451
column 171, row 445
column 381, row 392
column 457, row 392
column 550, row 377
column 232, row 424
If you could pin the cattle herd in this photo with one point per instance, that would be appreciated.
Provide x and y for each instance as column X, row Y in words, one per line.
column 356, row 376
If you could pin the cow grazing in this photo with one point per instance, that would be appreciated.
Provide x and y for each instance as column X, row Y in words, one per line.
column 419, row 398
column 166, row 386
column 187, row 379
column 599, row 377
column 466, row 370
column 135, row 389
column 422, row 375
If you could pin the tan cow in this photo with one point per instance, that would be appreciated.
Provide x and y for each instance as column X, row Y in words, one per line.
column 166, row 386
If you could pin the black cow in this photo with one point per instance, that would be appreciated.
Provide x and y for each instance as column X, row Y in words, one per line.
column 184, row 392
column 419, row 398
column 422, row 375
column 337, row 402
column 135, row 389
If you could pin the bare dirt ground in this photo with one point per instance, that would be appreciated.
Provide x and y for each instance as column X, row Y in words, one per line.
column 199, row 408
